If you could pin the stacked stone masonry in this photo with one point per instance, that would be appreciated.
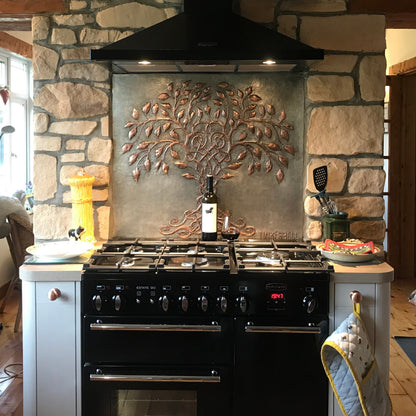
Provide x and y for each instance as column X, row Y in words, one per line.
column 343, row 104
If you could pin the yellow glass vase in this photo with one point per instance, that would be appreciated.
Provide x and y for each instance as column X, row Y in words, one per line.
column 82, row 213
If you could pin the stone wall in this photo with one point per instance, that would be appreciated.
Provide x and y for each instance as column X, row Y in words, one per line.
column 344, row 104
column 72, row 120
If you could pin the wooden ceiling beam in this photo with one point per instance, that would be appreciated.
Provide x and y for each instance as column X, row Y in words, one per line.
column 401, row 21
column 400, row 14
column 17, row 14
column 10, row 23
column 15, row 45
column 381, row 6
column 25, row 7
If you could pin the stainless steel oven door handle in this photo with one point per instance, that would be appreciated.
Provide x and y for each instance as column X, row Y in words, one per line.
column 283, row 329
column 155, row 327
column 155, row 378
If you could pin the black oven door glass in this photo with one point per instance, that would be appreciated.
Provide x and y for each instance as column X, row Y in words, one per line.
column 278, row 369
column 126, row 402
column 152, row 390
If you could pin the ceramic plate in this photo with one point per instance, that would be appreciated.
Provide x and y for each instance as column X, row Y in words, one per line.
column 346, row 257
column 60, row 250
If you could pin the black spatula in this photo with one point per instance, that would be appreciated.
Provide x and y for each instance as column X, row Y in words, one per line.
column 320, row 179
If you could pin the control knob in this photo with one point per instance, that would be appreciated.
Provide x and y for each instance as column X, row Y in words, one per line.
column 242, row 303
column 203, row 303
column 310, row 303
column 184, row 302
column 222, row 303
column 97, row 302
column 164, row 303
column 117, row 302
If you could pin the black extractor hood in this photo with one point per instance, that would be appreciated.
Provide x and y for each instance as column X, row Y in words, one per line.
column 207, row 37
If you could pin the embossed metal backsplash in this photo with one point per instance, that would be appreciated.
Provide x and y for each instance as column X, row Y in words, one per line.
column 171, row 130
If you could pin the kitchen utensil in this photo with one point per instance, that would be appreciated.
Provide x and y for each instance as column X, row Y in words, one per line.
column 333, row 209
column 320, row 177
column 325, row 208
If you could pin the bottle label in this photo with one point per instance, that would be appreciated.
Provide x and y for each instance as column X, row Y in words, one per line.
column 209, row 218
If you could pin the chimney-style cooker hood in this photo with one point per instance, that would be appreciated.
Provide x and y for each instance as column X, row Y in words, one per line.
column 207, row 37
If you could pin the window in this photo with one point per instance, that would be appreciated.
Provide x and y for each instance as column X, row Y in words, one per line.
column 386, row 155
column 15, row 147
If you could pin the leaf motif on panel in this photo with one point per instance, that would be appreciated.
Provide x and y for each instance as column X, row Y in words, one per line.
column 202, row 129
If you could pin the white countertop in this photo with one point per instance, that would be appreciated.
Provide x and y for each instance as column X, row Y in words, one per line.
column 371, row 272
column 51, row 272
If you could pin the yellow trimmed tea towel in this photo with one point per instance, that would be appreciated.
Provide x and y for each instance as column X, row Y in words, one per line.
column 352, row 370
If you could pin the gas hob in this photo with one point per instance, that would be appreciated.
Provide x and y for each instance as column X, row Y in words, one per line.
column 187, row 256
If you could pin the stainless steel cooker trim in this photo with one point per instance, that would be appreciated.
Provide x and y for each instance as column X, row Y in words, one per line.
column 282, row 329
column 155, row 378
column 155, row 327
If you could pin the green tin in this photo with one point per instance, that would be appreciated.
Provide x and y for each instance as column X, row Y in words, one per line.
column 336, row 226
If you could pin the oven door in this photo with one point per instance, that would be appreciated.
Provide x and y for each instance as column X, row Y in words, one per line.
column 278, row 368
column 156, row 391
column 158, row 340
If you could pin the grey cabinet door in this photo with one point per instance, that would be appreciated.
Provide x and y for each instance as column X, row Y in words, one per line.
column 57, row 349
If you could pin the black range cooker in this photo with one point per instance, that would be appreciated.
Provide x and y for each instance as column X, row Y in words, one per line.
column 193, row 328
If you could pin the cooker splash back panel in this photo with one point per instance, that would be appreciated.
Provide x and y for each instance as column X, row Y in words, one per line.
column 171, row 130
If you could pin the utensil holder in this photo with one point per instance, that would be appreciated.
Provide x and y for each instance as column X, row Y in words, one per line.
column 336, row 226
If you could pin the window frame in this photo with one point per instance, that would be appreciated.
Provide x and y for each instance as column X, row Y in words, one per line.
column 27, row 101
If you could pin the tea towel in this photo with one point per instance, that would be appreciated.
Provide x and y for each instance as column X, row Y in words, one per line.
column 352, row 370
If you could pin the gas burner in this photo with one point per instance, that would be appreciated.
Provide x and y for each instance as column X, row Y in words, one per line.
column 191, row 256
column 116, row 248
column 135, row 261
column 145, row 250
column 185, row 262
column 196, row 250
column 272, row 258
column 185, row 249
column 253, row 260
column 127, row 261
column 106, row 260
column 303, row 255
column 191, row 261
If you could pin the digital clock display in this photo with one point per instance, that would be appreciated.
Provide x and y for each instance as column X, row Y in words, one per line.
column 277, row 296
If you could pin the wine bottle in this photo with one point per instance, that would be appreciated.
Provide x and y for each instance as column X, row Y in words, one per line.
column 209, row 212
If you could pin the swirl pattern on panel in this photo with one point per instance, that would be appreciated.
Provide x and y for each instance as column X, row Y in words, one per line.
column 202, row 129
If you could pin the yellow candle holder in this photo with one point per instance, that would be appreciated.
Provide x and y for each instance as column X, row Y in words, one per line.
column 82, row 213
